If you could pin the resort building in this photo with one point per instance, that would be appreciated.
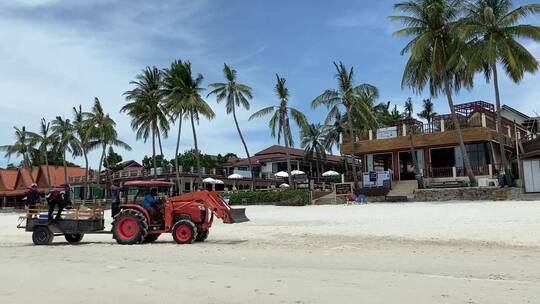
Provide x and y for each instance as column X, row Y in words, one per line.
column 435, row 145
column 265, row 164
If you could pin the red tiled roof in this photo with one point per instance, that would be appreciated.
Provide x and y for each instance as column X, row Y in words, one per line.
column 276, row 153
column 57, row 175
column 8, row 179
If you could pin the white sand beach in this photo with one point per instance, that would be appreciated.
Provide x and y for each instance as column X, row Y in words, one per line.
column 482, row 252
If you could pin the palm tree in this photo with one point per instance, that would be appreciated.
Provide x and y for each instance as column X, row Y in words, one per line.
column 83, row 127
column 146, row 108
column 357, row 102
column 186, row 90
column 280, row 118
column 22, row 147
column 493, row 31
column 411, row 130
column 66, row 141
column 313, row 141
column 427, row 112
column 44, row 140
column 237, row 95
column 176, row 105
column 408, row 108
column 436, row 52
column 334, row 134
column 103, row 133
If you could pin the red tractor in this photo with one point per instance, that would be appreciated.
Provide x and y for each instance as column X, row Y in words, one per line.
column 188, row 216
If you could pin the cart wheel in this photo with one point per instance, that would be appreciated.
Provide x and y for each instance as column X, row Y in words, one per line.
column 74, row 238
column 202, row 236
column 184, row 232
column 42, row 235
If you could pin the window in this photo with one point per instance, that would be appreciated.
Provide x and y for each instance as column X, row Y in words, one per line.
column 479, row 154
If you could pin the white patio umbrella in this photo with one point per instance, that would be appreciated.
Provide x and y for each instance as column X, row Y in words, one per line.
column 284, row 185
column 235, row 176
column 208, row 180
column 297, row 172
column 330, row 173
column 218, row 182
column 282, row 174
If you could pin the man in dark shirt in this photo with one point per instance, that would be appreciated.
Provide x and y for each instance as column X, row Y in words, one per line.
column 32, row 198
column 115, row 199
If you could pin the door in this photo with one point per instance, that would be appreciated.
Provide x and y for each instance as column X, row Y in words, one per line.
column 531, row 175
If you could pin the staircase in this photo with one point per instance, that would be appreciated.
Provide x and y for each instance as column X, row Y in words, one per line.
column 402, row 191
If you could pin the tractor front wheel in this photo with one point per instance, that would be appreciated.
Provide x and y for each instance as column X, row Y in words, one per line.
column 74, row 238
column 129, row 227
column 42, row 235
column 184, row 232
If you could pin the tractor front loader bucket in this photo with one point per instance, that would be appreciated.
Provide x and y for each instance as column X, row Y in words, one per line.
column 238, row 215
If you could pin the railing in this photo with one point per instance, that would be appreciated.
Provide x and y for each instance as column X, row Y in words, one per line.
column 444, row 172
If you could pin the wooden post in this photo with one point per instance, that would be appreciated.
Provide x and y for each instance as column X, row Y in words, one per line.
column 490, row 169
column 370, row 134
column 404, row 130
column 454, row 172
column 484, row 123
column 442, row 125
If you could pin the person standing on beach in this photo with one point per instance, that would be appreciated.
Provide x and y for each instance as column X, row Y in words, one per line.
column 115, row 197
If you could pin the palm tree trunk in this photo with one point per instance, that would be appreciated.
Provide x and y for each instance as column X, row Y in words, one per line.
column 154, row 152
column 98, row 182
column 464, row 153
column 65, row 167
column 352, row 146
column 245, row 147
column 48, row 171
column 318, row 171
column 86, row 175
column 286, row 133
column 197, row 153
column 177, row 167
column 500, row 136
column 413, row 153
column 345, row 163
column 30, row 168
column 159, row 142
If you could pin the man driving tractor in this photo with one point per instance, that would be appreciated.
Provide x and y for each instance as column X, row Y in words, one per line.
column 150, row 204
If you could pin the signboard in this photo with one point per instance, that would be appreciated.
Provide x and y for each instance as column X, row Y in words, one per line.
column 343, row 189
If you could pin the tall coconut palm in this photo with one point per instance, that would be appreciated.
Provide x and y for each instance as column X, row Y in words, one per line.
column 411, row 130
column 44, row 139
column 22, row 147
column 493, row 30
column 188, row 90
column 236, row 95
column 66, row 141
column 357, row 102
column 279, row 123
column 146, row 108
column 428, row 112
column 103, row 133
column 176, row 104
column 83, row 129
column 313, row 142
column 335, row 132
column 436, row 54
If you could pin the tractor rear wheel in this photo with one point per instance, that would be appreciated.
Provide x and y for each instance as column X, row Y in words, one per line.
column 184, row 232
column 202, row 236
column 42, row 235
column 151, row 237
column 129, row 227
column 74, row 237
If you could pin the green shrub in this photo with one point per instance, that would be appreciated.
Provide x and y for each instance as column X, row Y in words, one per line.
column 289, row 197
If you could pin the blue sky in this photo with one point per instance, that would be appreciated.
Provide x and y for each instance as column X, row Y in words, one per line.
column 58, row 54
